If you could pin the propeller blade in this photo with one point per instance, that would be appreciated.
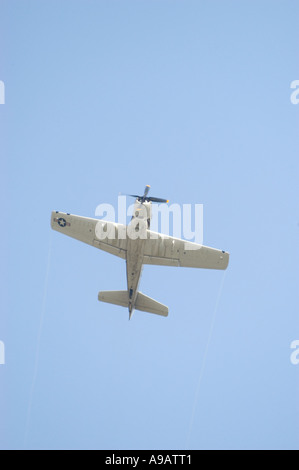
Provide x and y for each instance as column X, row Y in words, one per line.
column 146, row 198
column 146, row 190
column 156, row 199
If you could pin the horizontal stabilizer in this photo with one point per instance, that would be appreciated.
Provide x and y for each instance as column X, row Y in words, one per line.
column 146, row 304
column 143, row 302
column 117, row 297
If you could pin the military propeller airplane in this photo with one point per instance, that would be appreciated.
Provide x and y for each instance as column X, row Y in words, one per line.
column 147, row 247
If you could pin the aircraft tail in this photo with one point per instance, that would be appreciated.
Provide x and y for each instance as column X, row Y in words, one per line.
column 146, row 304
column 116, row 297
column 143, row 302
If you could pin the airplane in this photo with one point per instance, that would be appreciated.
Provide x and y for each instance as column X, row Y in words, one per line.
column 138, row 246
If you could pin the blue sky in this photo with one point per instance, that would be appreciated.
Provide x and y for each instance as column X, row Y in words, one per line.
column 193, row 98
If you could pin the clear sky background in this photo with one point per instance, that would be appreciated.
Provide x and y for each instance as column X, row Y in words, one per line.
column 193, row 98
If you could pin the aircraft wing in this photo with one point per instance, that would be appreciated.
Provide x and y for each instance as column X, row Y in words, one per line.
column 92, row 232
column 164, row 250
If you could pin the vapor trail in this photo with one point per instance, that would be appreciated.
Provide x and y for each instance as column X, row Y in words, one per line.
column 204, row 360
column 43, row 311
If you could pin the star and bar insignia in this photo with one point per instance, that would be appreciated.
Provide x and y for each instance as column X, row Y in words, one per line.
column 62, row 222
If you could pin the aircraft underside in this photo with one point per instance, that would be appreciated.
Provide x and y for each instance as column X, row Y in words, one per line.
column 138, row 245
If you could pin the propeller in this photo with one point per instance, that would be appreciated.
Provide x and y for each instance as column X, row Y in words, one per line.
column 146, row 198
